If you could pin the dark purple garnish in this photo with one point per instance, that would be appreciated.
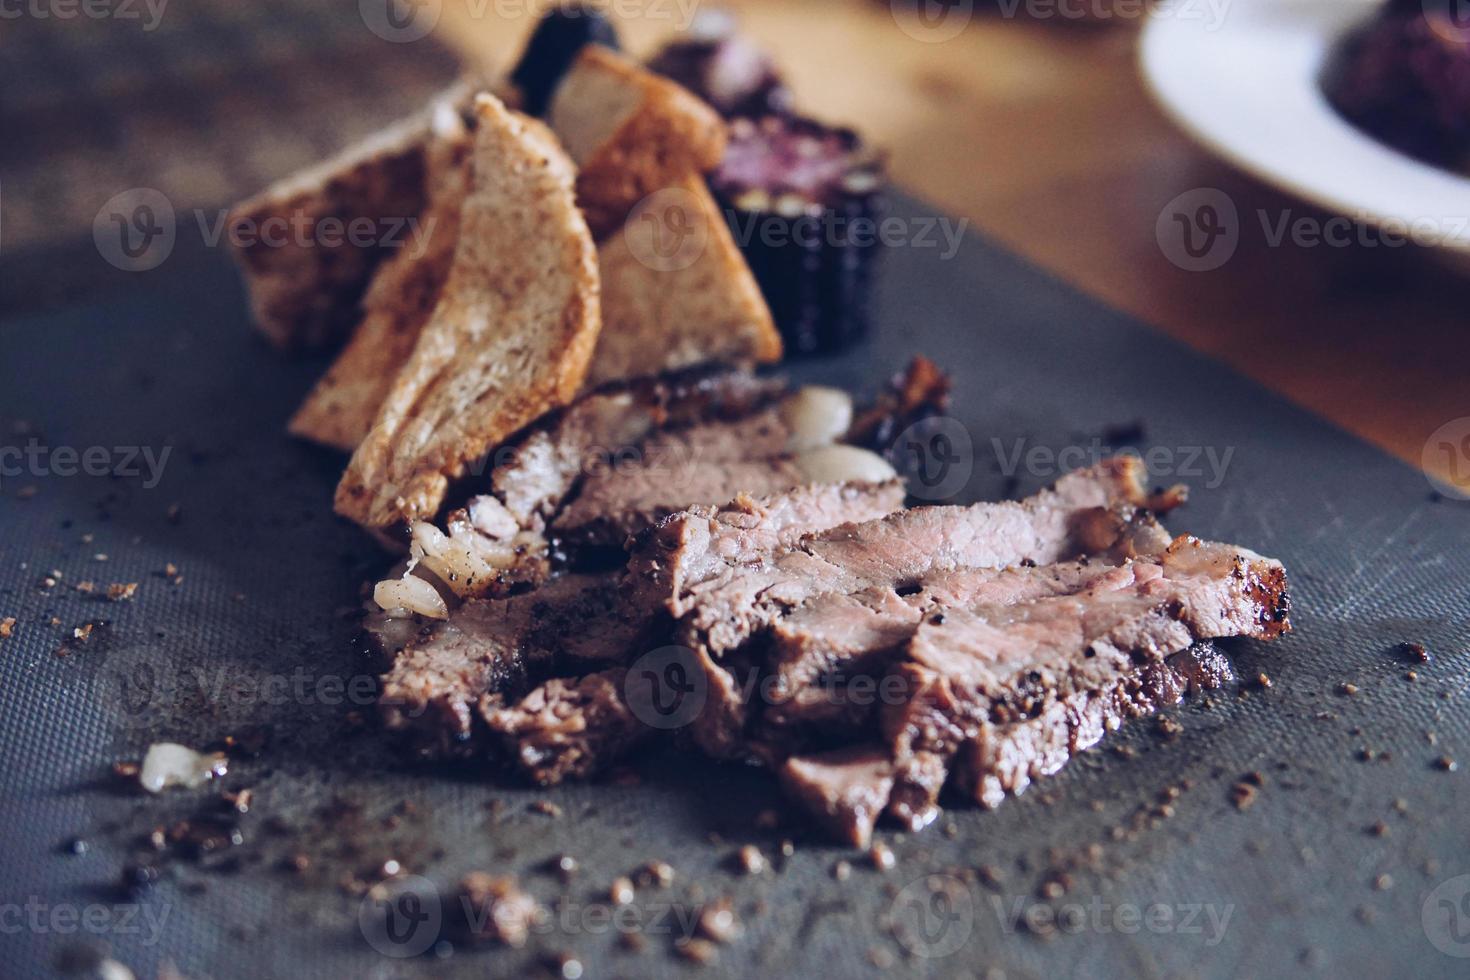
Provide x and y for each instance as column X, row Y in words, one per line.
column 730, row 72
column 553, row 46
column 804, row 201
column 1404, row 78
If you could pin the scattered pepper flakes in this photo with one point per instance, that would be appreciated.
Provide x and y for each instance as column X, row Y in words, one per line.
column 1378, row 829
column 82, row 633
column 1263, row 680
column 121, row 592
column 1168, row 726
column 86, row 587
column 7, row 627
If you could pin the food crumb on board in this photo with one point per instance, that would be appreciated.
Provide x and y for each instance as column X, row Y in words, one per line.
column 750, row 860
column 7, row 627
column 719, row 923
column 700, row 951
column 120, row 591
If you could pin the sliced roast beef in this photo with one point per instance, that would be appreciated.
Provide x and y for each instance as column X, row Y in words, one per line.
column 572, row 624
column 566, row 727
column 1022, row 687
column 571, row 492
column 497, row 542
column 844, row 789
column 724, row 596
column 837, row 637
column 1003, row 760
column 995, row 664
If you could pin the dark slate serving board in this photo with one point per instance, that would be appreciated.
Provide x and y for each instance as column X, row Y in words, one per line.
column 1295, row 882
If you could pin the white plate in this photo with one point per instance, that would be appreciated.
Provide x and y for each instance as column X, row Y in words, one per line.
column 1245, row 84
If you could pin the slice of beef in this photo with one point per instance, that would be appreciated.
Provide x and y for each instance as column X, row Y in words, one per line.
column 997, row 663
column 840, row 637
column 844, row 789
column 725, row 596
column 613, row 509
column 566, row 727
column 1003, row 760
column 534, row 475
column 572, row 624
column 672, row 470
column 497, row 542
column 1024, row 686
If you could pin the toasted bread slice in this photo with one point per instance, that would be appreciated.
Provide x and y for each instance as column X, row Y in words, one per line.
column 630, row 132
column 676, row 291
column 304, row 293
column 510, row 339
column 340, row 410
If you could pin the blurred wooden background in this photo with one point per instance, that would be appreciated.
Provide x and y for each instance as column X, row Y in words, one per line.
column 1041, row 133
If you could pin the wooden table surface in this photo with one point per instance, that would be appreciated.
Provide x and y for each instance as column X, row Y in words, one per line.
column 1042, row 135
